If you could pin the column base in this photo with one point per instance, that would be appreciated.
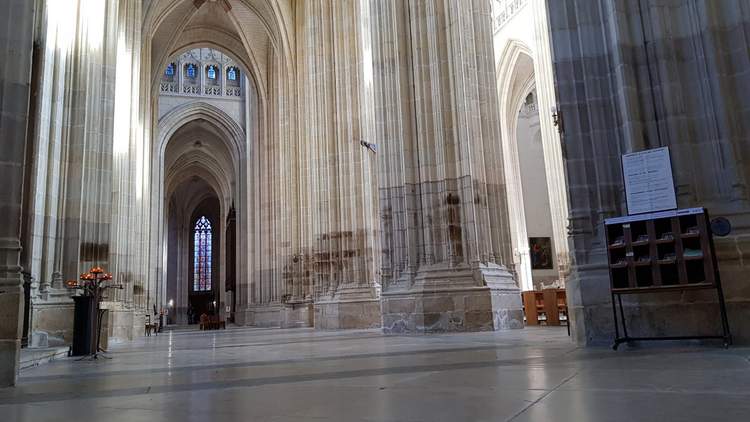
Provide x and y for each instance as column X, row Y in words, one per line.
column 297, row 315
column 242, row 317
column 265, row 316
column 454, row 299
column 53, row 316
column 10, row 352
column 122, row 324
column 349, row 308
column 11, row 321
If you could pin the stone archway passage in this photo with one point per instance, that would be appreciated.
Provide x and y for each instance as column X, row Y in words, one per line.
column 517, row 77
column 202, row 159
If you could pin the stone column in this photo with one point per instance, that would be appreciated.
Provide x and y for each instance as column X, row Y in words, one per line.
column 52, row 308
column 553, row 155
column 128, row 217
column 16, row 46
column 87, row 154
column 339, row 111
column 246, row 205
column 222, row 74
column 399, row 200
column 202, row 77
column 272, row 200
column 645, row 74
column 447, row 166
column 87, row 164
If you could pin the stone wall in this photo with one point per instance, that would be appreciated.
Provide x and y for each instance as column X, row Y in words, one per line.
column 55, row 319
column 642, row 74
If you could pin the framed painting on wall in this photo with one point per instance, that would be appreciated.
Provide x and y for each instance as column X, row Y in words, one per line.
column 540, row 249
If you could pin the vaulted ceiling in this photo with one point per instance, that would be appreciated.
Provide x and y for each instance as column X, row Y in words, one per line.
column 200, row 149
column 254, row 32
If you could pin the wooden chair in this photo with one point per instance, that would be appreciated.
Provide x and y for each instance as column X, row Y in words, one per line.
column 212, row 322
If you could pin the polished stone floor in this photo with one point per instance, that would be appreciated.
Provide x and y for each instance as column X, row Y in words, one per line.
column 245, row 374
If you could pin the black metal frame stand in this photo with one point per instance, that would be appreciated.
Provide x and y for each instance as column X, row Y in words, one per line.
column 726, row 335
column 98, row 333
column 624, row 234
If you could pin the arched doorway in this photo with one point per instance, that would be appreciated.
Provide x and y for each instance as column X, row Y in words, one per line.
column 537, row 210
column 203, row 151
column 221, row 51
column 195, row 252
column 537, row 202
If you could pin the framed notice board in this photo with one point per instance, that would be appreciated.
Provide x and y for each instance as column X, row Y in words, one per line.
column 649, row 185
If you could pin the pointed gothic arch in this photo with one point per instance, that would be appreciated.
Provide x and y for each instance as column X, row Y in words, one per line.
column 219, row 163
column 516, row 73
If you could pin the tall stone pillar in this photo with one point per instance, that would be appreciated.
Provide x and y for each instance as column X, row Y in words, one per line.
column 645, row 74
column 442, row 192
column 553, row 156
column 129, row 206
column 16, row 46
column 87, row 153
column 338, row 109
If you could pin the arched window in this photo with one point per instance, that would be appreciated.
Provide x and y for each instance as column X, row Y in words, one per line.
column 211, row 72
column 190, row 68
column 202, row 255
column 233, row 82
column 169, row 70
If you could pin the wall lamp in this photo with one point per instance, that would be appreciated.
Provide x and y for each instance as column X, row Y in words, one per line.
column 557, row 119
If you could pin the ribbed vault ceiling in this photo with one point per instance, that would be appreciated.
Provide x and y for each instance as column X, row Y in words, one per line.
column 199, row 148
column 252, row 31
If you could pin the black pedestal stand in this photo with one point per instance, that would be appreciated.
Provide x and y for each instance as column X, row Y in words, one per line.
column 88, row 315
column 97, row 338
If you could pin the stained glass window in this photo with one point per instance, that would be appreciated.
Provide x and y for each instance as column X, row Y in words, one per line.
column 211, row 72
column 232, row 74
column 191, row 71
column 170, row 70
column 202, row 255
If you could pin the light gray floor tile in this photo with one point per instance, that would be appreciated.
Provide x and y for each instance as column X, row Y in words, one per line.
column 246, row 374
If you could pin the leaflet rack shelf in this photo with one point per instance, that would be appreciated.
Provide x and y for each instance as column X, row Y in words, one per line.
column 661, row 252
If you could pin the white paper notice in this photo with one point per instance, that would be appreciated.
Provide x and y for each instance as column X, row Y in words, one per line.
column 649, row 186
